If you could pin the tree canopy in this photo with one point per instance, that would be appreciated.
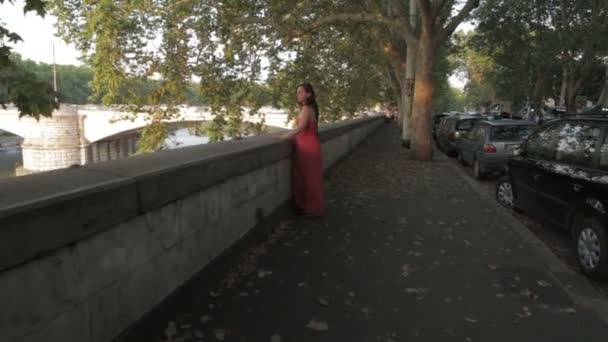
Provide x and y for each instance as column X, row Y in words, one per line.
column 538, row 49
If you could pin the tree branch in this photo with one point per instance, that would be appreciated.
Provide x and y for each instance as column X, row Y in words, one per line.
column 438, row 6
column 395, row 59
column 425, row 10
column 403, row 29
column 397, row 7
column 456, row 20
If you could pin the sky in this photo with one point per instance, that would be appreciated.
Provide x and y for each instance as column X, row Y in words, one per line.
column 39, row 36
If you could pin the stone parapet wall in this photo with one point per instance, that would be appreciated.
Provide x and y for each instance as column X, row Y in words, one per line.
column 85, row 252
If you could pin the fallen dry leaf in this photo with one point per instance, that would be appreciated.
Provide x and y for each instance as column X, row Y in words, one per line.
column 543, row 283
column 570, row 311
column 171, row 329
column 416, row 291
column 529, row 294
column 492, row 267
column 318, row 325
column 220, row 334
column 275, row 338
column 367, row 311
column 323, row 302
column 263, row 274
column 205, row 319
column 470, row 320
column 213, row 294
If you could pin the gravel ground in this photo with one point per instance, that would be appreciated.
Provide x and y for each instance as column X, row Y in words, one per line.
column 557, row 240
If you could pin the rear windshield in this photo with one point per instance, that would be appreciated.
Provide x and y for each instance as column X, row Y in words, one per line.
column 465, row 125
column 510, row 133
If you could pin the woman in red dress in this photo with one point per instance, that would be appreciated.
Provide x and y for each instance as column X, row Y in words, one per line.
column 307, row 162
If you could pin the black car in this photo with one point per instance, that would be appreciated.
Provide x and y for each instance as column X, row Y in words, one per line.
column 560, row 176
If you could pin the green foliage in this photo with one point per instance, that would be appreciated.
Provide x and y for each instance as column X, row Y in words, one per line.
column 18, row 85
column 347, row 73
column 447, row 98
column 539, row 46
column 29, row 93
column 338, row 46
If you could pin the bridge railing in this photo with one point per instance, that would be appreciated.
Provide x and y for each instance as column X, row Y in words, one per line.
column 85, row 252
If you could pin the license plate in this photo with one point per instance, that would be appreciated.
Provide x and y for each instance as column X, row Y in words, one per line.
column 512, row 147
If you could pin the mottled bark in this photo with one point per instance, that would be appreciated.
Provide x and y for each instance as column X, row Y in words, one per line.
column 422, row 144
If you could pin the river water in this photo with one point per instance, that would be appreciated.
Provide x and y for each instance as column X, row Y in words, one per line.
column 10, row 152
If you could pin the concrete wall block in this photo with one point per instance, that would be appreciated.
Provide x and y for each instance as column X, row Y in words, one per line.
column 108, row 256
column 211, row 196
column 242, row 189
column 193, row 213
column 199, row 249
column 268, row 179
column 38, row 291
column 135, row 294
column 76, row 321
column 165, row 224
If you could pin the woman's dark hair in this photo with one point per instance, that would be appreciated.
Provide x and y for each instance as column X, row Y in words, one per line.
column 311, row 101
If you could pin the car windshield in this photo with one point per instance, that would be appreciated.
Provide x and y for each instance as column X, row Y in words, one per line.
column 465, row 125
column 510, row 133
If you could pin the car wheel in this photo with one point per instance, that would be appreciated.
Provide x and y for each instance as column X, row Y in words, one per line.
column 504, row 193
column 591, row 244
column 477, row 171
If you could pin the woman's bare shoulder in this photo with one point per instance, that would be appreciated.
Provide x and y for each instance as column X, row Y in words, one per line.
column 306, row 110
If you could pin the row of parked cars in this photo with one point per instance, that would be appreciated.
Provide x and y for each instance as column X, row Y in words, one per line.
column 556, row 172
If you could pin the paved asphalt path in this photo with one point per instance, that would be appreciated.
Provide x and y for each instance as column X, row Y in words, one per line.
column 408, row 252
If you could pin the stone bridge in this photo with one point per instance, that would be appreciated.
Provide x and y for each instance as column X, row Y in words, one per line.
column 69, row 137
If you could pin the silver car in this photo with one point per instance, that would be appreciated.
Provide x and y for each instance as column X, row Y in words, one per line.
column 490, row 144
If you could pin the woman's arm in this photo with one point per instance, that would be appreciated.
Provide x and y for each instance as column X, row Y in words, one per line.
column 304, row 117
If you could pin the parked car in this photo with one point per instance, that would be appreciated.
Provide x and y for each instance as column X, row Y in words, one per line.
column 437, row 120
column 452, row 129
column 552, row 114
column 490, row 144
column 560, row 176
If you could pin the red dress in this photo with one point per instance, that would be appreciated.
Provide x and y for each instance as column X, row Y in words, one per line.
column 307, row 171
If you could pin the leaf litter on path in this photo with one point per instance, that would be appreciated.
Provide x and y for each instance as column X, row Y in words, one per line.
column 416, row 291
column 367, row 311
column 543, row 283
column 470, row 320
column 318, row 325
column 263, row 274
column 323, row 302
column 171, row 329
column 220, row 334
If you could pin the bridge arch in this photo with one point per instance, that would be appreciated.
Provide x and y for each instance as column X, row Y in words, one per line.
column 8, row 131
